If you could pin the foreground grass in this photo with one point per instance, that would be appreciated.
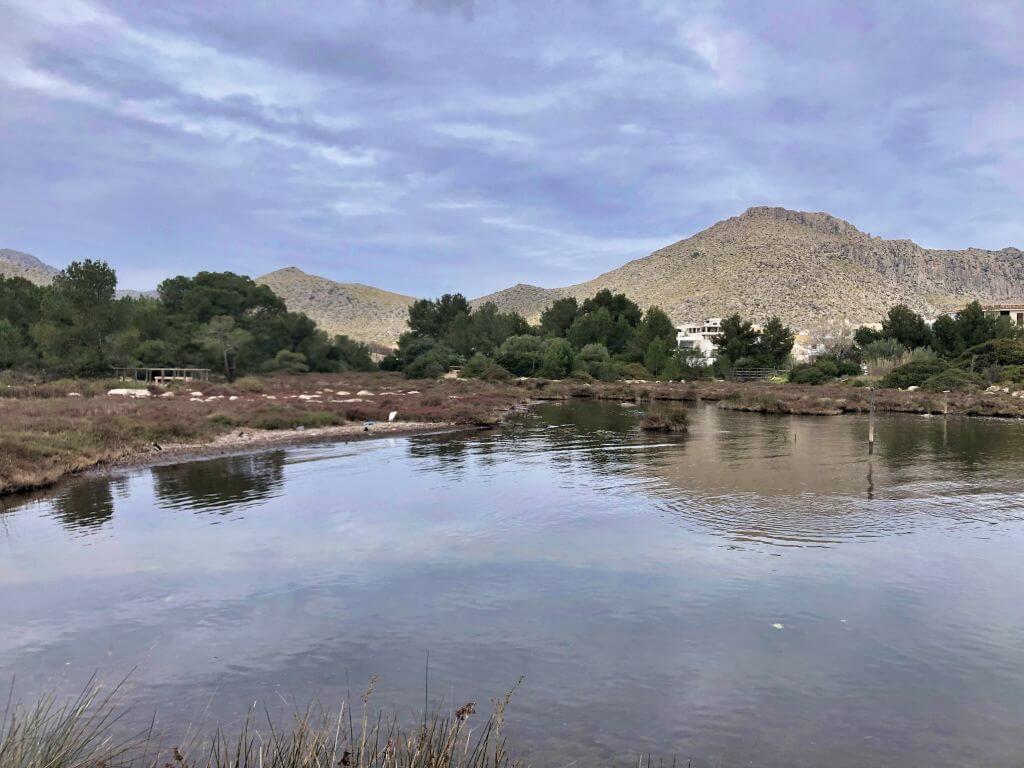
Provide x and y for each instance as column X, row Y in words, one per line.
column 46, row 432
column 83, row 734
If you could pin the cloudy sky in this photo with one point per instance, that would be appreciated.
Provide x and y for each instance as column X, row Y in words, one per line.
column 444, row 145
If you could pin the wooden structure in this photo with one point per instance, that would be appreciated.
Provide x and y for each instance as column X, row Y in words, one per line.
column 755, row 374
column 161, row 375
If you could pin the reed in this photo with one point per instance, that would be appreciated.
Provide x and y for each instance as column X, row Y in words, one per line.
column 83, row 734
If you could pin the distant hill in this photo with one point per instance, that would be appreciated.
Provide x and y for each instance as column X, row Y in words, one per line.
column 18, row 264
column 808, row 268
column 811, row 269
column 360, row 311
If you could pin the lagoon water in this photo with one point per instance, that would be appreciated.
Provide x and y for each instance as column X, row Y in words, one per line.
column 757, row 592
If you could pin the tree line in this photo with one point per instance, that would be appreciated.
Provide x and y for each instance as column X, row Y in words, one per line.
column 604, row 337
column 76, row 326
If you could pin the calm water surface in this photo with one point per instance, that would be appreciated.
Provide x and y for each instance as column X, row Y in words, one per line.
column 756, row 592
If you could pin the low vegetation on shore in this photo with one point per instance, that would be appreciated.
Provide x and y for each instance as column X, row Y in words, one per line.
column 86, row 733
column 58, row 428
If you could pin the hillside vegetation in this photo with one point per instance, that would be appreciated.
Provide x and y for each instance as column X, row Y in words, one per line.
column 807, row 268
column 360, row 311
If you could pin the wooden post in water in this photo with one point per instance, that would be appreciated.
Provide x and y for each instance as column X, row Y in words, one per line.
column 871, row 421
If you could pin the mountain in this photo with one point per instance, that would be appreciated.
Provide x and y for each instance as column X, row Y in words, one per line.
column 360, row 311
column 18, row 264
column 811, row 269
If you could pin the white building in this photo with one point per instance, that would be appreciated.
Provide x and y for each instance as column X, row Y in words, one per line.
column 698, row 337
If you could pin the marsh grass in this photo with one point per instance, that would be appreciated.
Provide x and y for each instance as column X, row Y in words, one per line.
column 83, row 734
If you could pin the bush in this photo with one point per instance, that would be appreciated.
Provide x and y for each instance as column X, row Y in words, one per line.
column 806, row 373
column 913, row 374
column 952, row 379
column 823, row 369
column 521, row 355
column 665, row 421
column 882, row 349
column 482, row 367
column 557, row 359
column 996, row 352
column 430, row 365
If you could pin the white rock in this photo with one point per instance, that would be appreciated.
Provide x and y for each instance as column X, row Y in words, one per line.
column 196, row 394
column 195, row 399
column 128, row 393
column 353, row 400
column 913, row 389
column 364, row 393
column 167, row 395
column 270, row 397
column 342, row 392
column 74, row 394
column 233, row 397
column 308, row 397
column 413, row 392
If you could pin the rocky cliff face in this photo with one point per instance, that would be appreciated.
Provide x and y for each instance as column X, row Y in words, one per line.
column 18, row 264
column 811, row 269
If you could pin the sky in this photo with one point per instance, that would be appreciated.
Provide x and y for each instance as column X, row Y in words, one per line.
column 440, row 145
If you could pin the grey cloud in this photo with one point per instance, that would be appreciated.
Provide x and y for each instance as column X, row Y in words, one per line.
column 456, row 146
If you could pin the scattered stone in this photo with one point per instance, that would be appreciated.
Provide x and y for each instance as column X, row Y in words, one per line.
column 413, row 392
column 913, row 388
column 74, row 394
column 364, row 393
column 233, row 397
column 308, row 397
column 196, row 394
column 128, row 393
column 342, row 393
column 353, row 400
column 167, row 395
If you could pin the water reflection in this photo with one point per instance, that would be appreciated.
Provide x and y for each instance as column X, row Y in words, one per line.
column 220, row 485
column 636, row 581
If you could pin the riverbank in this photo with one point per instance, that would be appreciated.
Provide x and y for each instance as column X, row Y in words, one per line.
column 52, row 431
column 796, row 399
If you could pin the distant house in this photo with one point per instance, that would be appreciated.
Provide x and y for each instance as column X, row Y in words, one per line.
column 1013, row 311
column 698, row 337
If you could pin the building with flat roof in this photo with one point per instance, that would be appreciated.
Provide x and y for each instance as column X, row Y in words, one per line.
column 698, row 337
column 1014, row 311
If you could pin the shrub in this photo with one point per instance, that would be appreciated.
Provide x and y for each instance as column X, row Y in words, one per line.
column 1009, row 351
column 952, row 379
column 882, row 349
column 429, row 365
column 912, row 374
column 557, row 359
column 806, row 373
column 521, row 355
column 482, row 367
column 665, row 421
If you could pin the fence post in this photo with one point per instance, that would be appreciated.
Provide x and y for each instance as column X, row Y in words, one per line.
column 871, row 420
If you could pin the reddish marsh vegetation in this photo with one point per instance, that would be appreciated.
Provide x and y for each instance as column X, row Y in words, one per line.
column 48, row 433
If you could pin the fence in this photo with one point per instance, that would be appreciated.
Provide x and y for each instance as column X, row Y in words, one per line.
column 159, row 375
column 755, row 374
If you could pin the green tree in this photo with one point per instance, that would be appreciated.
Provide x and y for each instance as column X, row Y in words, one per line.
column 559, row 316
column 222, row 338
column 657, row 356
column 737, row 340
column 591, row 328
column 907, row 327
column 434, row 317
column 78, row 316
column 774, row 343
column 520, row 355
column 557, row 359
